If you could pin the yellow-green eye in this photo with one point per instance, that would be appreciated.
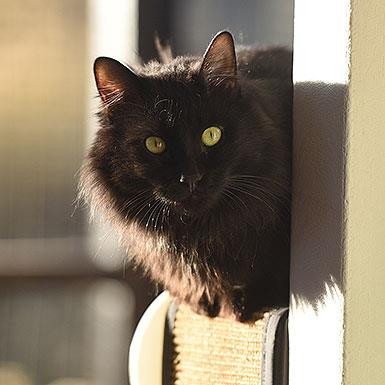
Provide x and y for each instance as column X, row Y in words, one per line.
column 211, row 135
column 155, row 144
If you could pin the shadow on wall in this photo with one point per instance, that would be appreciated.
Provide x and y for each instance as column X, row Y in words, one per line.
column 318, row 190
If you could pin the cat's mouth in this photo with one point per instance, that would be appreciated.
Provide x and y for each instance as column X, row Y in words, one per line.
column 192, row 205
column 198, row 205
column 193, row 202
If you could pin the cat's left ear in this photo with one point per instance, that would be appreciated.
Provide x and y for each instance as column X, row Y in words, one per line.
column 219, row 66
column 113, row 79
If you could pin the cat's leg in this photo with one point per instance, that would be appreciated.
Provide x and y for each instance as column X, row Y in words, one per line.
column 249, row 305
column 239, row 303
column 208, row 307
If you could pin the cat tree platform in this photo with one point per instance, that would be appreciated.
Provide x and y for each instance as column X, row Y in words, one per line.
column 175, row 346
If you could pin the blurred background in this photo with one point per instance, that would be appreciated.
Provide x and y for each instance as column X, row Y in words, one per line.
column 68, row 300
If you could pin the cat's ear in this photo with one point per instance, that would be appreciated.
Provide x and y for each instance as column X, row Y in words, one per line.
column 113, row 80
column 219, row 64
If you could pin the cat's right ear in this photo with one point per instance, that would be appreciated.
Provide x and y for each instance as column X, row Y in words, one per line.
column 219, row 64
column 113, row 80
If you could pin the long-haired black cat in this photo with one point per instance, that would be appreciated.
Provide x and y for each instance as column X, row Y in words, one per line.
column 191, row 164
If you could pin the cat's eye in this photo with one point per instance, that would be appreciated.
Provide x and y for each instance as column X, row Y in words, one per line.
column 211, row 136
column 155, row 144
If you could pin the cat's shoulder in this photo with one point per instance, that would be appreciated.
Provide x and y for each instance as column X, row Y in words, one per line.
column 273, row 62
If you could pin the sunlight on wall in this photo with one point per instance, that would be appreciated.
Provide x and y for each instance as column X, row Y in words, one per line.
column 317, row 325
column 113, row 28
column 112, row 31
column 323, row 28
column 320, row 75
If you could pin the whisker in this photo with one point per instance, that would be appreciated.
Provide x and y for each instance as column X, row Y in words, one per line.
column 149, row 204
column 144, row 204
column 268, row 192
column 237, row 197
column 237, row 188
column 230, row 197
column 150, row 217
column 262, row 178
column 133, row 202
column 160, row 211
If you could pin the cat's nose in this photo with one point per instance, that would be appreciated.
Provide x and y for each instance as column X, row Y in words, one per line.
column 190, row 180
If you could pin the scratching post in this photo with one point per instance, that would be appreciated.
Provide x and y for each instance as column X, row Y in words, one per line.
column 173, row 345
column 205, row 351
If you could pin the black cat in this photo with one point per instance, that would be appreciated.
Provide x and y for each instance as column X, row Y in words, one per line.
column 192, row 166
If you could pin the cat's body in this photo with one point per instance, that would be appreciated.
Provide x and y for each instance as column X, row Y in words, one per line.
column 209, row 222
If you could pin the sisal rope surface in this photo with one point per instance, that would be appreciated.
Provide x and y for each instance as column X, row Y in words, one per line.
column 216, row 351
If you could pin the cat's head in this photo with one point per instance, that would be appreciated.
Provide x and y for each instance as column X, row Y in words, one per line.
column 177, row 135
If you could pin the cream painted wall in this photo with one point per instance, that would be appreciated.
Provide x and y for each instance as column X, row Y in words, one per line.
column 364, row 352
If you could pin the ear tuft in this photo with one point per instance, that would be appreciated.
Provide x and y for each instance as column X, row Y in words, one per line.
column 219, row 66
column 113, row 79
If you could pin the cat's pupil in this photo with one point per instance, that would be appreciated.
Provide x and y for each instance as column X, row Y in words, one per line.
column 155, row 144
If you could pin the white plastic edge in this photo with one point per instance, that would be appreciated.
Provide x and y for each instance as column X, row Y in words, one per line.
column 269, row 344
column 146, row 350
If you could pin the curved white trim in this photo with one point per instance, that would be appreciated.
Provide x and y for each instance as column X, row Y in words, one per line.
column 146, row 350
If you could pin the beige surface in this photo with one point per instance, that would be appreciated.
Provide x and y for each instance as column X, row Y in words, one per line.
column 42, row 124
column 211, row 351
column 42, row 115
column 14, row 374
column 72, row 381
column 365, row 199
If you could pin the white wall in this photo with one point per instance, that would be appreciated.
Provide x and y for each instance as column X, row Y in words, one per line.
column 321, row 70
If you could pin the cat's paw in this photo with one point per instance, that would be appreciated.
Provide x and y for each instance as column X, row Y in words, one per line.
column 239, row 305
column 207, row 307
column 245, row 309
